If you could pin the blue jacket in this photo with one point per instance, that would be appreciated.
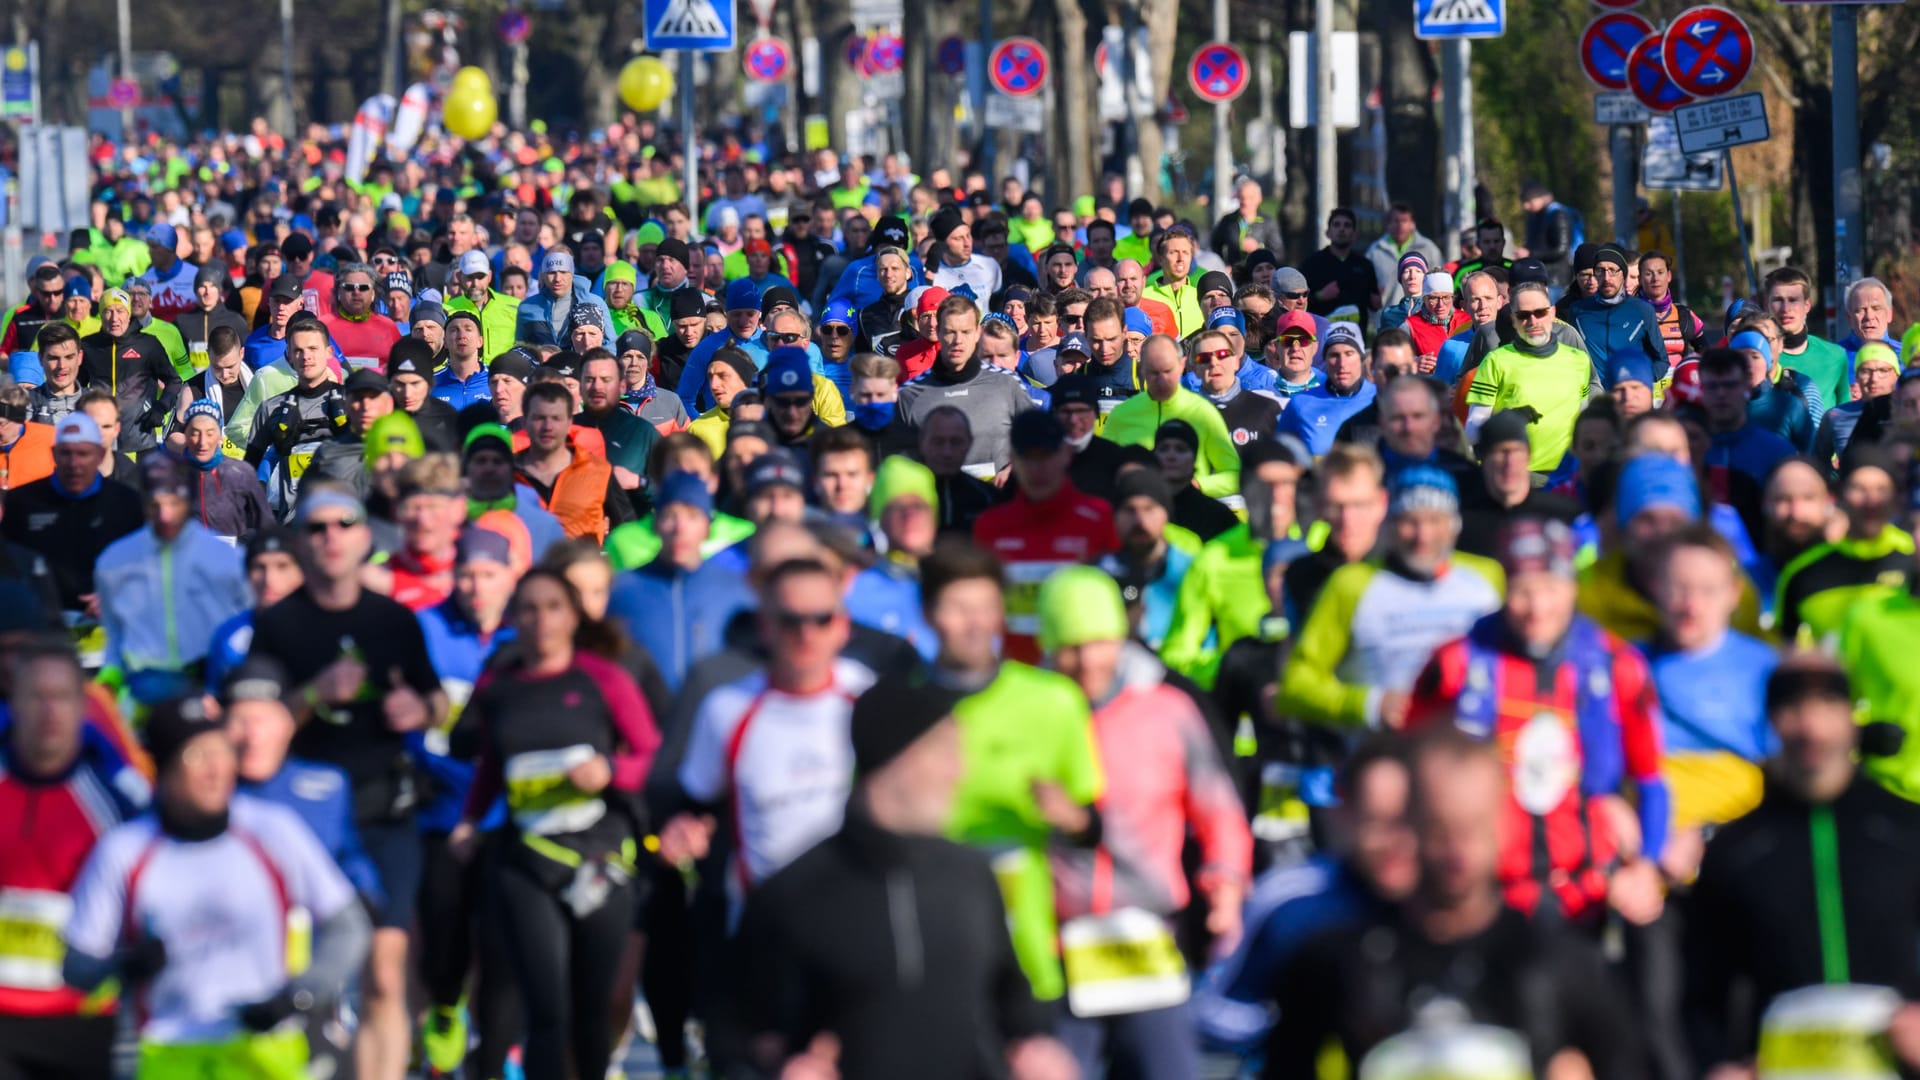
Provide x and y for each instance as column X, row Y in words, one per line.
column 860, row 286
column 232, row 640
column 1616, row 330
column 459, row 392
column 1289, row 905
column 693, row 377
column 679, row 617
column 1253, row 375
column 1752, row 451
column 323, row 797
column 459, row 653
column 888, row 599
column 1315, row 416
column 538, row 308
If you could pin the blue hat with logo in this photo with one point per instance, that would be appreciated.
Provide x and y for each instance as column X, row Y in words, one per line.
column 839, row 311
column 684, row 487
column 1633, row 368
column 1074, row 342
column 743, row 295
column 787, row 372
column 1423, row 487
column 1138, row 322
column 1224, row 316
column 1654, row 480
column 163, row 235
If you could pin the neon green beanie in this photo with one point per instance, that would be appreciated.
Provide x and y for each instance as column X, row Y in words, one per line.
column 1083, row 206
column 1080, row 604
column 649, row 233
column 394, row 431
column 899, row 476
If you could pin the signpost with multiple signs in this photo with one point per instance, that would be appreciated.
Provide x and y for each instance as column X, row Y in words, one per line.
column 1017, row 69
column 1604, row 46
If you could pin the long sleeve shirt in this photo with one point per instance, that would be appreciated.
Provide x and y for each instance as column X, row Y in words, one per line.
column 161, row 602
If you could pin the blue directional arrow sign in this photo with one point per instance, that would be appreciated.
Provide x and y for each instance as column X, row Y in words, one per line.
column 1459, row 18
column 698, row 25
column 1707, row 51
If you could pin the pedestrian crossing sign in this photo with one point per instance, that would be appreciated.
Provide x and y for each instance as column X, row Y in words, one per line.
column 700, row 25
column 1459, row 18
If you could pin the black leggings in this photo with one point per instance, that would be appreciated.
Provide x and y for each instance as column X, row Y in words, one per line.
column 565, row 967
column 449, row 903
column 666, row 968
column 56, row 1047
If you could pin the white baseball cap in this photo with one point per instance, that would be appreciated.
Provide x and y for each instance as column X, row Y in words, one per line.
column 473, row 264
column 78, row 427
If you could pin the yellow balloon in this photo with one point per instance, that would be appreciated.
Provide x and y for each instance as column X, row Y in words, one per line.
column 470, row 111
column 645, row 83
column 471, row 76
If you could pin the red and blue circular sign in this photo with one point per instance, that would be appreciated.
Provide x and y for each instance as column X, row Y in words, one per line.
column 1218, row 72
column 856, row 53
column 1707, row 51
column 1648, row 80
column 951, row 56
column 767, row 60
column 1604, row 46
column 514, row 27
column 1017, row 67
column 886, row 53
column 1617, row 5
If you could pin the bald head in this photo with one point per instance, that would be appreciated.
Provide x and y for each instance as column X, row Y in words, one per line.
column 1130, row 278
column 1161, row 365
column 1100, row 281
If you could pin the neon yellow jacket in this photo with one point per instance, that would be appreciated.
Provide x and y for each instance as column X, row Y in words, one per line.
column 1134, row 421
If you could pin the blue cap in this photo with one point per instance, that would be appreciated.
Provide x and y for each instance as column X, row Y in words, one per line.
column 1218, row 317
column 839, row 311
column 1634, row 367
column 684, row 487
column 1423, row 487
column 1074, row 342
column 24, row 367
column 1653, row 480
column 1752, row 339
column 163, row 235
column 787, row 372
column 1138, row 322
column 233, row 239
column 743, row 295
column 79, row 286
column 205, row 407
column 301, row 223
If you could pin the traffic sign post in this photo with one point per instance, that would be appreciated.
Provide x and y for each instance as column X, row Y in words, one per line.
column 1459, row 18
column 1707, row 51
column 766, row 60
column 951, row 56
column 1648, row 79
column 1605, row 44
column 1218, row 72
column 1721, row 123
column 1018, row 67
column 689, row 26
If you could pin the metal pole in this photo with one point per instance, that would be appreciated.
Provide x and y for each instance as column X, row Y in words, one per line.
column 1679, row 255
column 1740, row 225
column 517, row 88
column 33, row 65
column 691, row 137
column 1456, row 58
column 126, row 64
column 286, row 63
column 1847, row 261
column 1269, row 123
column 1222, row 124
column 1620, row 142
column 986, row 162
column 1325, row 165
column 390, row 50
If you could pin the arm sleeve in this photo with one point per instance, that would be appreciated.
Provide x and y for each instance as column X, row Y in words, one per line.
column 95, row 929
column 487, row 780
column 1223, row 460
column 1213, row 808
column 632, row 719
column 1081, row 774
column 340, row 943
column 1310, row 689
column 618, row 508
column 1640, row 739
column 1485, row 389
column 240, row 425
column 111, row 619
column 703, row 770
column 1710, row 960
column 1184, row 648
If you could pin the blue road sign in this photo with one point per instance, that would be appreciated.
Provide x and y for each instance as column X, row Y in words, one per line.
column 1605, row 44
column 698, row 25
column 1018, row 67
column 952, row 55
column 1649, row 81
column 1459, row 18
column 767, row 60
column 1218, row 72
column 1707, row 51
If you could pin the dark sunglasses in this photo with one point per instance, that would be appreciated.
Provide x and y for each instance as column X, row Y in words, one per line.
column 1536, row 313
column 52, row 294
column 794, row 403
column 834, row 330
column 1302, row 295
column 348, row 286
column 1216, row 354
column 785, row 339
column 317, row 528
column 794, row 620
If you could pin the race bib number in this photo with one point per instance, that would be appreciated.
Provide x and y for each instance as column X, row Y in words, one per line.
column 31, row 945
column 544, row 801
column 1453, row 1052
column 1829, row 1033
column 1125, row 962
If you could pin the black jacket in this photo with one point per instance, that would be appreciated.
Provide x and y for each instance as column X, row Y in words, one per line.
column 1753, row 923
column 897, row 945
column 71, row 533
column 135, row 369
column 1354, row 274
column 1550, row 239
column 962, row 500
column 439, row 426
column 1481, row 519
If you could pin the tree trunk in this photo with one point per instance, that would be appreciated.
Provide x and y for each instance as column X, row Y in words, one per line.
column 916, row 104
column 1072, row 53
column 1161, row 19
column 1413, row 133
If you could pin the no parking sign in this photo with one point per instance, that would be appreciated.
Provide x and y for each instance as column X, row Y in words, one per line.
column 1218, row 72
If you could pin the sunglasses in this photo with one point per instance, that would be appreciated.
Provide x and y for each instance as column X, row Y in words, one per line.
column 834, row 330
column 348, row 286
column 318, row 528
column 794, row 403
column 385, row 260
column 1535, row 313
column 1293, row 295
column 52, row 294
column 1215, row 354
column 795, row 620
column 1297, row 339
column 785, row 339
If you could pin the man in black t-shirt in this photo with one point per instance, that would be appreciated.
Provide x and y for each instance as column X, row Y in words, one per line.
column 365, row 681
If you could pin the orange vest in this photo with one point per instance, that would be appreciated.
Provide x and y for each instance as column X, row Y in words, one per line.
column 30, row 457
column 584, row 438
column 579, row 496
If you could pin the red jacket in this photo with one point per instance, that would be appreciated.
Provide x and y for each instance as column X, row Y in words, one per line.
column 1032, row 540
column 1428, row 335
column 1569, row 728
